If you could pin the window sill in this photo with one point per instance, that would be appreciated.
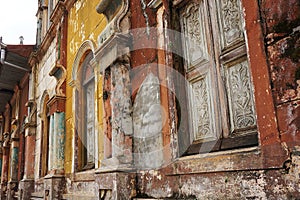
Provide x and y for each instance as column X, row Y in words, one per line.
column 88, row 175
column 250, row 158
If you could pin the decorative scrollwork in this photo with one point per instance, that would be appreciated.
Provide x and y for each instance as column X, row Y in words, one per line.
column 201, row 102
column 242, row 105
column 231, row 21
column 194, row 34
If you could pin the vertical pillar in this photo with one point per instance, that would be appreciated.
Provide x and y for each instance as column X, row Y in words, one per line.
column 114, row 64
column 57, row 142
column 54, row 181
column 118, row 116
column 5, row 159
column 122, row 128
column 14, row 152
column 115, row 170
column 5, row 149
column 4, row 177
column 26, row 186
column 51, row 143
column 1, row 143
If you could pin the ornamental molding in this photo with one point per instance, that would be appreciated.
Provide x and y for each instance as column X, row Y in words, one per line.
column 114, row 11
column 85, row 46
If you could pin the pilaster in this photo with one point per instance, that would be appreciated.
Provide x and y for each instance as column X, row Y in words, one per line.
column 26, row 185
column 54, row 182
column 14, row 159
column 5, row 164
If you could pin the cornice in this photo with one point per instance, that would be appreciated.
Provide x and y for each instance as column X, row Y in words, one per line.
column 32, row 59
column 48, row 39
column 55, row 19
column 58, row 12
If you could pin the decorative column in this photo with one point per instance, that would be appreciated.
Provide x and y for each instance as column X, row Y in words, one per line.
column 54, row 182
column 1, row 142
column 5, row 159
column 14, row 147
column 113, row 57
column 14, row 151
column 117, row 104
column 57, row 135
column 26, row 186
column 5, row 150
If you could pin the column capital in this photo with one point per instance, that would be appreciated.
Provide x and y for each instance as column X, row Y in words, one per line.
column 56, row 104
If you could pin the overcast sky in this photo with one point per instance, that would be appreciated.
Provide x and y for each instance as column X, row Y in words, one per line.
column 17, row 18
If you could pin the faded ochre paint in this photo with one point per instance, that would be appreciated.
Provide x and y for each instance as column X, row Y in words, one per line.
column 84, row 23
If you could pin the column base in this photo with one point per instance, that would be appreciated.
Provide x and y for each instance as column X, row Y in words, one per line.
column 3, row 191
column 114, row 165
column 26, row 188
column 111, row 184
column 12, row 189
column 54, row 187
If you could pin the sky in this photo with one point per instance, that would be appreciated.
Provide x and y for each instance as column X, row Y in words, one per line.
column 17, row 18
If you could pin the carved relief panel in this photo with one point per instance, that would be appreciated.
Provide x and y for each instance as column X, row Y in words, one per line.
column 231, row 22
column 220, row 92
column 199, row 67
column 194, row 30
column 240, row 94
column 202, row 114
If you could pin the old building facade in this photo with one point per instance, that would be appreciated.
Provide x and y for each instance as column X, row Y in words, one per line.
column 14, row 90
column 154, row 99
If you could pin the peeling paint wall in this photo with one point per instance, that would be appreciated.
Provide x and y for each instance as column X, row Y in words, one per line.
column 44, row 83
column 139, row 112
column 84, row 23
column 281, row 22
column 147, row 120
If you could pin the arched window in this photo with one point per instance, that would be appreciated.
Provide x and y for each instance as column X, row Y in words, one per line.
column 85, row 114
column 45, row 122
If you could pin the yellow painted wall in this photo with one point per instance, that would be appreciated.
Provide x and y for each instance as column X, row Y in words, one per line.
column 84, row 23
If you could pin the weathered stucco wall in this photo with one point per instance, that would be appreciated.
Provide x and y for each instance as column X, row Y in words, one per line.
column 45, row 84
column 270, row 184
column 231, row 177
column 84, row 23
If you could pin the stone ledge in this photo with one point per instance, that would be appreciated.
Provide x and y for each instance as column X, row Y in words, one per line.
column 37, row 195
column 232, row 160
column 88, row 175
column 78, row 196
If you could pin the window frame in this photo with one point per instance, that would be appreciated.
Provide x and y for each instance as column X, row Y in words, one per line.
column 80, row 104
column 45, row 126
column 224, row 140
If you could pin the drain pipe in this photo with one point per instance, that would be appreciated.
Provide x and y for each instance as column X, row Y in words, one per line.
column 2, row 61
column 2, row 56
